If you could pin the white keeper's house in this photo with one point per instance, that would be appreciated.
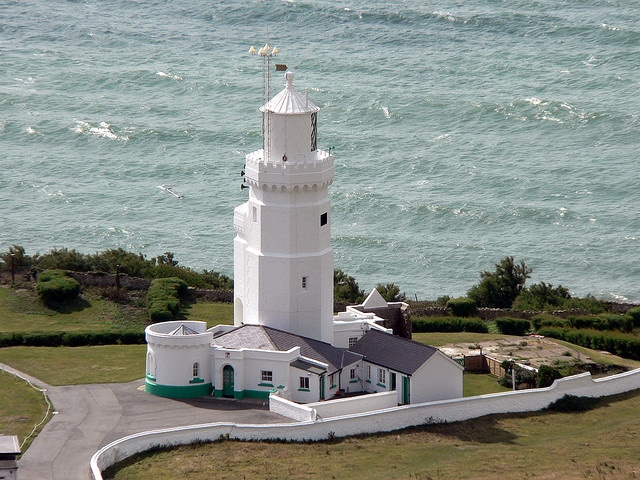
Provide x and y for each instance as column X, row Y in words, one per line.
column 286, row 339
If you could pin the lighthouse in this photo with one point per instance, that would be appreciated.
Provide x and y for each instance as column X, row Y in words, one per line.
column 283, row 260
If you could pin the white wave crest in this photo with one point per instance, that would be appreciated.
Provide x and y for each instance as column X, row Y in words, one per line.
column 102, row 130
column 169, row 75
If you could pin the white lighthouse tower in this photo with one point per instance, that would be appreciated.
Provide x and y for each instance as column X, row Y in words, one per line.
column 283, row 260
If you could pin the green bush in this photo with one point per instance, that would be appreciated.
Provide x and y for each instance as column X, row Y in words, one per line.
column 164, row 297
column 55, row 287
column 513, row 326
column 634, row 316
column 542, row 321
column 547, row 375
column 449, row 324
column 462, row 307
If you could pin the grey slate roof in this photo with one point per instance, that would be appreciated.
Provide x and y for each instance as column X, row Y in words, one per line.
column 267, row 338
column 396, row 353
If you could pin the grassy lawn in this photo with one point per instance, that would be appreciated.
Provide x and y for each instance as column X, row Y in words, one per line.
column 22, row 311
column 438, row 339
column 602, row 444
column 78, row 365
column 480, row 384
column 21, row 409
column 212, row 313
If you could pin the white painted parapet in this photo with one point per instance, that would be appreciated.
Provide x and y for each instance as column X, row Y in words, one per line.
column 384, row 420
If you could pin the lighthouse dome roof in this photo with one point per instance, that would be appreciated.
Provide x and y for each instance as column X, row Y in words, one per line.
column 289, row 101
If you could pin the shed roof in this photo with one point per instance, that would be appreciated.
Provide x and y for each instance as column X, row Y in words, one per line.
column 393, row 352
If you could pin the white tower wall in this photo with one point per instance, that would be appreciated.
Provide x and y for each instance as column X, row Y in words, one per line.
column 283, row 269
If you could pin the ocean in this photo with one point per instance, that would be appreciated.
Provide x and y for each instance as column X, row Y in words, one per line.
column 463, row 132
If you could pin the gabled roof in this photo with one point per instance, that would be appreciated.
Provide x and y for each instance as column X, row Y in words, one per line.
column 267, row 338
column 375, row 300
column 393, row 352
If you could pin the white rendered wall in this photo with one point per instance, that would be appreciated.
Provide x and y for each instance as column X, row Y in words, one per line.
column 248, row 365
column 440, row 378
column 174, row 355
column 370, row 422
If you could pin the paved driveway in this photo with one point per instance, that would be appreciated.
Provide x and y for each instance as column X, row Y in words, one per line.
column 92, row 416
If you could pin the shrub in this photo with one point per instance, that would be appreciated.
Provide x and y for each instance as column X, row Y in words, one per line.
column 547, row 375
column 623, row 344
column 541, row 296
column 71, row 339
column 462, row 307
column 55, row 287
column 164, row 298
column 449, row 324
column 634, row 315
column 542, row 321
column 513, row 326
column 602, row 322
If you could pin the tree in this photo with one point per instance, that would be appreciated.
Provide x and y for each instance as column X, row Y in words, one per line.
column 345, row 288
column 500, row 288
column 391, row 292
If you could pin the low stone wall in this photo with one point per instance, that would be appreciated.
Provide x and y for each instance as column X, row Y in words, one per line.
column 384, row 420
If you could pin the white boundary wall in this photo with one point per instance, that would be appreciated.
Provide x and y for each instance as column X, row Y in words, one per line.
column 334, row 408
column 370, row 422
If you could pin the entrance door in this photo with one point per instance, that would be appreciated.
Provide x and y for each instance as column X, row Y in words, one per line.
column 406, row 393
column 227, row 381
column 393, row 381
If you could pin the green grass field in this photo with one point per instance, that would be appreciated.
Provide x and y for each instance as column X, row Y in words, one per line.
column 21, row 408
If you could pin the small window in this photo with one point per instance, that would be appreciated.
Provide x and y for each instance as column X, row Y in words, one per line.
column 254, row 214
column 323, row 219
column 382, row 376
column 304, row 283
column 196, row 369
column 352, row 374
column 369, row 371
column 266, row 375
column 352, row 341
column 304, row 383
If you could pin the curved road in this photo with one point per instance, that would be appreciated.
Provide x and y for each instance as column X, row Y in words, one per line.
column 91, row 416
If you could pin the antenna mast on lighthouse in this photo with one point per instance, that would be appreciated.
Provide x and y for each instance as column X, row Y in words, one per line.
column 266, row 53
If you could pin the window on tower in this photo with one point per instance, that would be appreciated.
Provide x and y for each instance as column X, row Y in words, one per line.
column 314, row 131
column 324, row 218
column 304, row 283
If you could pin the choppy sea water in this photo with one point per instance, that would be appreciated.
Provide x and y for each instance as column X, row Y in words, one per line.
column 463, row 132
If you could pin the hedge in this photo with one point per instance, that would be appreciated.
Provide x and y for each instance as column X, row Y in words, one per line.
column 622, row 344
column 513, row 326
column 449, row 324
column 71, row 339
column 462, row 307
column 56, row 286
column 164, row 298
